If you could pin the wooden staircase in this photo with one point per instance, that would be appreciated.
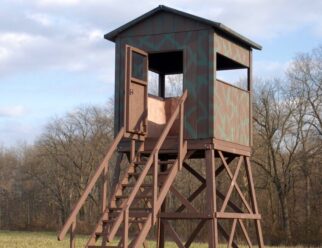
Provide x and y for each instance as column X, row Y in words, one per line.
column 138, row 196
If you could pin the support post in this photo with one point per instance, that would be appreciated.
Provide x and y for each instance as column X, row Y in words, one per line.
column 161, row 85
column 211, row 198
column 155, row 186
column 126, row 228
column 132, row 151
column 254, row 203
column 72, row 243
column 180, row 148
column 161, row 227
column 104, row 191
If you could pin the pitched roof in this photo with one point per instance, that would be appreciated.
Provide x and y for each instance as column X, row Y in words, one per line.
column 216, row 25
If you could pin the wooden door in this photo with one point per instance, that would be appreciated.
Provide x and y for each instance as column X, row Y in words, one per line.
column 136, row 100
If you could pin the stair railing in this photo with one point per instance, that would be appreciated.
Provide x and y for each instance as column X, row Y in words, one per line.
column 102, row 170
column 153, row 159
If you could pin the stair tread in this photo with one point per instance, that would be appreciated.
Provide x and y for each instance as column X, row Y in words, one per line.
column 134, row 209
column 133, row 214
column 130, row 221
column 133, row 184
column 170, row 161
column 150, row 173
column 137, row 196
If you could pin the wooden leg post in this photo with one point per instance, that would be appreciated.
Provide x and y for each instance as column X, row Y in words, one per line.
column 72, row 243
column 161, row 228
column 254, row 203
column 211, row 198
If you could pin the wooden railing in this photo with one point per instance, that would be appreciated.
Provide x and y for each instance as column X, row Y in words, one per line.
column 101, row 171
column 152, row 160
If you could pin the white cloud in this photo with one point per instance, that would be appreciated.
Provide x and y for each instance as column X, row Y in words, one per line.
column 40, row 18
column 95, row 35
column 12, row 111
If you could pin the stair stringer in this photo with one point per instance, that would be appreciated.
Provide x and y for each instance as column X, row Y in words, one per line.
column 163, row 193
column 105, row 215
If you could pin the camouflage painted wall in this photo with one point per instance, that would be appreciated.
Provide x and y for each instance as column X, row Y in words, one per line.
column 231, row 114
column 210, row 111
column 232, row 50
column 198, row 70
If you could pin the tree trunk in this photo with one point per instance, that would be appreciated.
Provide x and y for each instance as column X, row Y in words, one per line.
column 285, row 216
column 308, row 207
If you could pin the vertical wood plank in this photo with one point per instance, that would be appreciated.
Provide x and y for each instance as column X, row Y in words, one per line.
column 211, row 197
column 180, row 148
column 161, row 227
column 161, row 90
column 254, row 203
column 132, row 151
column 104, row 191
column 250, row 88
column 126, row 228
column 155, row 187
column 72, row 243
column 232, row 233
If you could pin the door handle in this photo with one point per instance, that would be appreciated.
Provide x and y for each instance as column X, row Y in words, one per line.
column 131, row 92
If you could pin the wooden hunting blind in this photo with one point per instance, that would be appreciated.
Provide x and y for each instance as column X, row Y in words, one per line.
column 210, row 120
column 168, row 41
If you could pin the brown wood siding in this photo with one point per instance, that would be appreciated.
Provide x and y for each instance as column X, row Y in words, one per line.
column 197, row 72
column 232, row 114
column 231, row 50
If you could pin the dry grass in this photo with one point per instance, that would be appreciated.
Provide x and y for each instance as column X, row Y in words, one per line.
column 13, row 239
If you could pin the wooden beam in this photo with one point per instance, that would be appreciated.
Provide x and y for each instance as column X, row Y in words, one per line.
column 194, row 172
column 230, row 203
column 183, row 200
column 174, row 215
column 232, row 233
column 211, row 198
column 192, row 196
column 254, row 203
column 194, row 233
column 161, row 85
column 226, row 236
column 236, row 185
column 225, row 215
column 245, row 233
column 173, row 234
column 232, row 184
column 91, row 184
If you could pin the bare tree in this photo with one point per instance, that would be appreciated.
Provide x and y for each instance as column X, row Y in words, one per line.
column 277, row 142
column 68, row 152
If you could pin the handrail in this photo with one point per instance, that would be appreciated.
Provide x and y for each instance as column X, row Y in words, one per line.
column 152, row 158
column 103, row 166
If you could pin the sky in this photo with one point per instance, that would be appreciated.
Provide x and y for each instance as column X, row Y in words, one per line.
column 53, row 57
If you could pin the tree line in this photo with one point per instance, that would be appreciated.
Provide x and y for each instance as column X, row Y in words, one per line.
column 39, row 183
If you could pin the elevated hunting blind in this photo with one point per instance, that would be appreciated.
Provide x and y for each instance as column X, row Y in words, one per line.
column 167, row 41
column 209, row 120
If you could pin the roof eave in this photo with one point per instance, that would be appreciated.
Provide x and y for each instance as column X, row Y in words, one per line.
column 111, row 36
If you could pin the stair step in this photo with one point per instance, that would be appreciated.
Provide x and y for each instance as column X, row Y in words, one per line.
column 136, row 197
column 135, row 209
column 144, row 185
column 150, row 173
column 170, row 161
column 133, row 214
column 136, row 221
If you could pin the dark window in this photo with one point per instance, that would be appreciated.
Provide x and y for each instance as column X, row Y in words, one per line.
column 232, row 72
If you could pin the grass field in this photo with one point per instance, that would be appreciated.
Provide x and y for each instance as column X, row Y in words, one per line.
column 13, row 239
